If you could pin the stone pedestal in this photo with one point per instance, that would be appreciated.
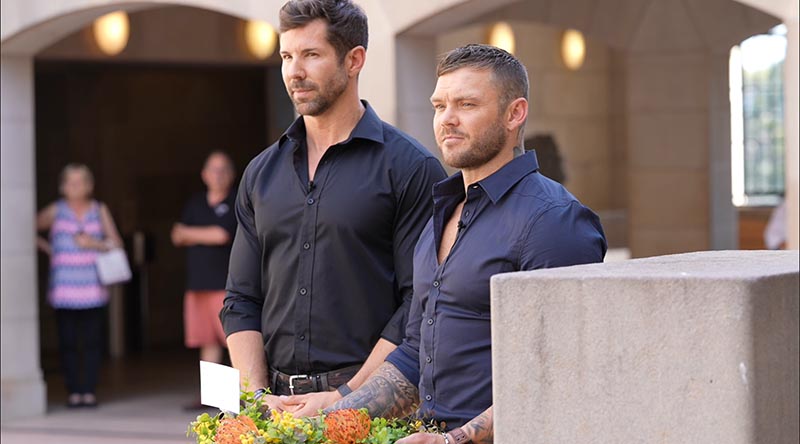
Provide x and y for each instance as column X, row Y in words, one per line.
column 689, row 348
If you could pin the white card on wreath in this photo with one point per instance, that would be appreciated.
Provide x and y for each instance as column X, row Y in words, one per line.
column 219, row 386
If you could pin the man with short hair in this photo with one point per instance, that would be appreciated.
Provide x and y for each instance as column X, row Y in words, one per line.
column 320, row 273
column 496, row 215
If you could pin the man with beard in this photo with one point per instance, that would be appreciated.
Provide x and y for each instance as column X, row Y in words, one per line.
column 498, row 214
column 320, row 273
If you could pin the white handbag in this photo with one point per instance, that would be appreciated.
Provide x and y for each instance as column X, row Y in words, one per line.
column 113, row 267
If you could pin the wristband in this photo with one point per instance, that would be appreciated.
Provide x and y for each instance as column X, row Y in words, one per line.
column 344, row 390
column 260, row 392
column 446, row 438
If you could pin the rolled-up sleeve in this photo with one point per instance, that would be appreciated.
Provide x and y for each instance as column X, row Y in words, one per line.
column 244, row 298
column 414, row 209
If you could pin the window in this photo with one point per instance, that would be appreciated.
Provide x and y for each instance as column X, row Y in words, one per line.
column 757, row 125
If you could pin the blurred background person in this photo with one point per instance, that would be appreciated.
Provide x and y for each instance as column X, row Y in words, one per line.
column 79, row 228
column 206, row 229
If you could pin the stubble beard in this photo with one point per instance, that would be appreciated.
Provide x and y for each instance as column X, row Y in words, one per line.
column 326, row 96
column 482, row 149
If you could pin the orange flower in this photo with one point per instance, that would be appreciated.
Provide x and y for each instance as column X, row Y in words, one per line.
column 347, row 426
column 230, row 429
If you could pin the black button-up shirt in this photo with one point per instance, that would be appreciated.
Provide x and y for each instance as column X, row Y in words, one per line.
column 516, row 219
column 324, row 269
column 207, row 265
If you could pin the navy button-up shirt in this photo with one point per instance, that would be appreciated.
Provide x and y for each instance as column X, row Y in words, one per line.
column 324, row 269
column 516, row 219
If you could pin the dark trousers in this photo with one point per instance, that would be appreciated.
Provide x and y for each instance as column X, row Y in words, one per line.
column 81, row 340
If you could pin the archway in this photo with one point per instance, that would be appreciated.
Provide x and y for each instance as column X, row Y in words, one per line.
column 23, row 385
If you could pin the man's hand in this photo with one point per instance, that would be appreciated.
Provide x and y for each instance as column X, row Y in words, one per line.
column 423, row 438
column 310, row 404
column 275, row 403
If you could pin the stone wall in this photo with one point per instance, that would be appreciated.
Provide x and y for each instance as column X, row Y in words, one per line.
column 689, row 348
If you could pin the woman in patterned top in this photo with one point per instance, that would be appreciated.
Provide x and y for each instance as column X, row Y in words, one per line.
column 79, row 227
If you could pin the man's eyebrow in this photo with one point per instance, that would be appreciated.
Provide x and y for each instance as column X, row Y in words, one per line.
column 471, row 98
column 467, row 97
column 302, row 51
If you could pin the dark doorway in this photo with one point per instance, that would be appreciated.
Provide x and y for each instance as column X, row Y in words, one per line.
column 144, row 130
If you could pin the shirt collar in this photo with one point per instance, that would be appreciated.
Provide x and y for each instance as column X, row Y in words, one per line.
column 370, row 127
column 495, row 186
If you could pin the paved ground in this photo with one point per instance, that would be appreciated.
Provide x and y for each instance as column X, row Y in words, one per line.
column 146, row 419
column 140, row 402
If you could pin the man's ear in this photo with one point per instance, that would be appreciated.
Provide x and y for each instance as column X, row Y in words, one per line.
column 516, row 114
column 354, row 60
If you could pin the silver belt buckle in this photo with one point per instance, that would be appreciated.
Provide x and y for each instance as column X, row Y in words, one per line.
column 291, row 381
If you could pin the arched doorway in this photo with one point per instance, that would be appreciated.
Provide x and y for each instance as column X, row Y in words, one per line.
column 33, row 62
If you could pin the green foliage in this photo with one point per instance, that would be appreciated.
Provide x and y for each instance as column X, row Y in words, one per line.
column 388, row 431
column 284, row 428
column 204, row 428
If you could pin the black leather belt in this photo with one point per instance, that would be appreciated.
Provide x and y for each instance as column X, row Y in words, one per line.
column 285, row 384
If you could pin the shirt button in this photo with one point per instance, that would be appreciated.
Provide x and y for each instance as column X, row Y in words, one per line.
column 303, row 291
column 466, row 213
column 306, row 246
column 430, row 321
column 436, row 284
column 310, row 201
column 428, row 397
column 428, row 359
column 302, row 337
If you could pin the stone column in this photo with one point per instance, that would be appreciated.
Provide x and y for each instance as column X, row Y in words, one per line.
column 23, row 388
column 668, row 157
column 416, row 80
column 377, row 82
column 792, row 140
column 668, row 74
column 723, row 217
column 688, row 348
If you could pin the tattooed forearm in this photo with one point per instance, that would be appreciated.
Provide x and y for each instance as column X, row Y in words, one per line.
column 481, row 428
column 386, row 393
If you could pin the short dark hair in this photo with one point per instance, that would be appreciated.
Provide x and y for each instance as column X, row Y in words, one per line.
column 347, row 22
column 508, row 72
